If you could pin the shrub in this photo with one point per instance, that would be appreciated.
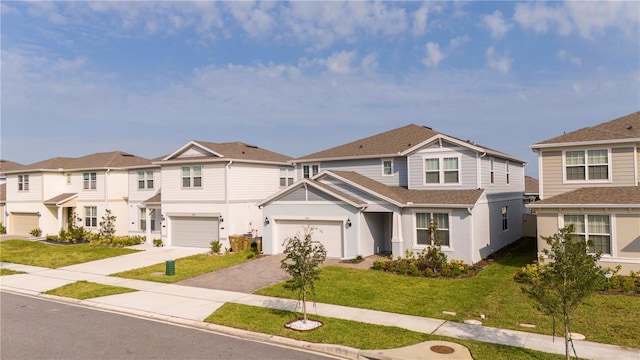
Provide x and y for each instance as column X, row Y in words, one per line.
column 215, row 246
column 116, row 241
column 157, row 242
column 36, row 232
column 528, row 274
column 3, row 229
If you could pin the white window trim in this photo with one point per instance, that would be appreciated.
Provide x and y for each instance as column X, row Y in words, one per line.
column 289, row 173
column 447, row 248
column 441, row 169
column 191, row 177
column 84, row 219
column 587, row 181
column 382, row 161
column 612, row 229
column 90, row 181
column 311, row 174
column 145, row 178
column 23, row 182
column 502, row 219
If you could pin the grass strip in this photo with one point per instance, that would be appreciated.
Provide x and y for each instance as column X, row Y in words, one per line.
column 9, row 272
column 87, row 290
column 354, row 334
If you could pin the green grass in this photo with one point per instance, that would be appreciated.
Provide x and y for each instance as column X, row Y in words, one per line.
column 187, row 267
column 54, row 256
column 87, row 290
column 352, row 333
column 492, row 292
column 9, row 272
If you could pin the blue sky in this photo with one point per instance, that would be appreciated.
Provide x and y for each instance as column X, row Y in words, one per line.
column 299, row 77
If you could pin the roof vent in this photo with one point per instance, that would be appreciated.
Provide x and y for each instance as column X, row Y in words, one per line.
column 125, row 154
column 629, row 127
column 251, row 146
column 426, row 127
column 360, row 146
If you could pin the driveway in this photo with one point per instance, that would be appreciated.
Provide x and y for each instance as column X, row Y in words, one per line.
column 255, row 274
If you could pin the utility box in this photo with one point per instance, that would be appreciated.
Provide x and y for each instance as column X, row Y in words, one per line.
column 170, row 267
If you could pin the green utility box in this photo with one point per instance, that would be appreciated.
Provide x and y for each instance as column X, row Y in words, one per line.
column 170, row 267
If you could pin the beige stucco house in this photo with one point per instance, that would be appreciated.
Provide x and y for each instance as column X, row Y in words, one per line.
column 589, row 178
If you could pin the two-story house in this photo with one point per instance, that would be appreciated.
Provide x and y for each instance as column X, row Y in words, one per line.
column 50, row 193
column 144, row 186
column 589, row 178
column 5, row 165
column 379, row 195
column 210, row 191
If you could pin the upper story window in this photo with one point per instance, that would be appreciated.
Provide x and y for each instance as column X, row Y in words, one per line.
column 595, row 229
column 68, row 179
column 286, row 177
column 192, row 176
column 444, row 170
column 424, row 234
column 89, row 181
column 90, row 216
column 145, row 179
column 23, row 182
column 492, row 172
column 310, row 170
column 586, row 165
column 387, row 167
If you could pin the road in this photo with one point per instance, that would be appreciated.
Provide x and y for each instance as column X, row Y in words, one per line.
column 32, row 328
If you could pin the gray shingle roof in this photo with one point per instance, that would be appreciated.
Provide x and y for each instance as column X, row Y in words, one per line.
column 620, row 195
column 531, row 185
column 56, row 199
column 6, row 165
column 242, row 151
column 113, row 159
column 625, row 127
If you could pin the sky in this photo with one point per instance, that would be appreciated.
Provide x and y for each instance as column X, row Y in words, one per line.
column 299, row 77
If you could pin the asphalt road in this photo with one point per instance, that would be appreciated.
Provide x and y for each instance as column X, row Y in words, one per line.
column 32, row 328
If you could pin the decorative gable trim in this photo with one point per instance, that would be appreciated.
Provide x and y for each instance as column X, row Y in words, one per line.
column 440, row 138
column 309, row 183
column 203, row 150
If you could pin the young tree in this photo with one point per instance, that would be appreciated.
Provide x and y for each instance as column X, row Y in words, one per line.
column 107, row 225
column 567, row 280
column 302, row 261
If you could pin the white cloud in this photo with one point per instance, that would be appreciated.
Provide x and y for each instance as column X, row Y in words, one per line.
column 496, row 24
column 420, row 18
column 370, row 63
column 501, row 64
column 253, row 19
column 539, row 17
column 434, row 55
column 564, row 55
column 340, row 63
column 458, row 41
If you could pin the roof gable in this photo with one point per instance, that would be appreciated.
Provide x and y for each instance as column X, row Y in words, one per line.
column 623, row 128
column 6, row 165
column 230, row 151
column 113, row 159
column 320, row 187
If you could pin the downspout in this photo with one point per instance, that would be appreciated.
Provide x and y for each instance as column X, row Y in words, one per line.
column 479, row 170
column 226, row 188
column 106, row 189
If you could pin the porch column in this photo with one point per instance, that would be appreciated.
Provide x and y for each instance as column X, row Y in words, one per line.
column 60, row 218
column 397, row 246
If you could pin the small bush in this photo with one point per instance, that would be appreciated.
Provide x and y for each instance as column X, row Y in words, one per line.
column 528, row 274
column 157, row 242
column 116, row 241
column 3, row 229
column 36, row 232
column 215, row 246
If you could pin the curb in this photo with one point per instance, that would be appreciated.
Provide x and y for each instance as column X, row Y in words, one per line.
column 341, row 351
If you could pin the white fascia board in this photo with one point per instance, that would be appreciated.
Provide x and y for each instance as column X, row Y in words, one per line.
column 582, row 206
column 313, row 161
column 584, row 143
column 219, row 160
column 364, row 189
column 443, row 206
column 186, row 146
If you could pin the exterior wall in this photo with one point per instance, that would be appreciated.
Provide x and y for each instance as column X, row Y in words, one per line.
column 136, row 195
column 625, row 235
column 516, row 176
column 253, row 182
column 213, row 184
column 371, row 168
column 622, row 170
column 499, row 238
column 315, row 211
column 467, row 175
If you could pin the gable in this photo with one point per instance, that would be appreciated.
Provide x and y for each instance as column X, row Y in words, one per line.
column 194, row 151
column 308, row 195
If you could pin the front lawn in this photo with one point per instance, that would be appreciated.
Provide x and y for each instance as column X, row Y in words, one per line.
column 87, row 290
column 351, row 333
column 9, row 272
column 493, row 292
column 187, row 267
column 54, row 256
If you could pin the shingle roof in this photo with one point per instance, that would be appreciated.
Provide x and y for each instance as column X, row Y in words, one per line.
column 155, row 199
column 531, row 185
column 242, row 151
column 113, row 159
column 626, row 127
column 60, row 198
column 6, row 165
column 621, row 195
column 413, row 197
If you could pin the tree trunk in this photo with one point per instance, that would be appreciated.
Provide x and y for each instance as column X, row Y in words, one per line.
column 567, row 335
column 304, row 306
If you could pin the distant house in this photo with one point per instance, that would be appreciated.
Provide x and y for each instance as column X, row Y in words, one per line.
column 531, row 189
column 5, row 165
column 210, row 191
column 50, row 193
column 144, row 200
column 589, row 178
column 379, row 194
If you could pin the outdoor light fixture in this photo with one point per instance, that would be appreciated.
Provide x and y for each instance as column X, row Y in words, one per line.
column 348, row 222
column 38, row 213
column 221, row 219
column 266, row 221
column 162, row 217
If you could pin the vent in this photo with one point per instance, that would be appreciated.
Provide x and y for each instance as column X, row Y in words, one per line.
column 127, row 155
column 251, row 146
column 426, row 127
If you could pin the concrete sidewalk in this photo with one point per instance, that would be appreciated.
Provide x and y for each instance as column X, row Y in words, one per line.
column 191, row 305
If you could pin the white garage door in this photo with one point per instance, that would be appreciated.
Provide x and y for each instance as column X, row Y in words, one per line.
column 194, row 231
column 329, row 233
column 23, row 223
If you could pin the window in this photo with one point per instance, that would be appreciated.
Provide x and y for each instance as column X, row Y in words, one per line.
column 143, row 219
column 286, row 177
column 492, row 174
column 68, row 179
column 587, row 165
column 145, row 179
column 152, row 219
column 593, row 228
column 387, row 167
column 506, row 169
column 442, row 170
column 423, row 234
column 90, row 216
column 23, row 182
column 310, row 170
column 89, row 181
column 192, row 176
column 505, row 219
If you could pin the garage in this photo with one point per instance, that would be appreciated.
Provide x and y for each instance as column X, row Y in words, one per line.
column 23, row 223
column 193, row 231
column 329, row 233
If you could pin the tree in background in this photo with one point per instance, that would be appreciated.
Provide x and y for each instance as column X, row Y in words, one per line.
column 563, row 283
column 302, row 261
